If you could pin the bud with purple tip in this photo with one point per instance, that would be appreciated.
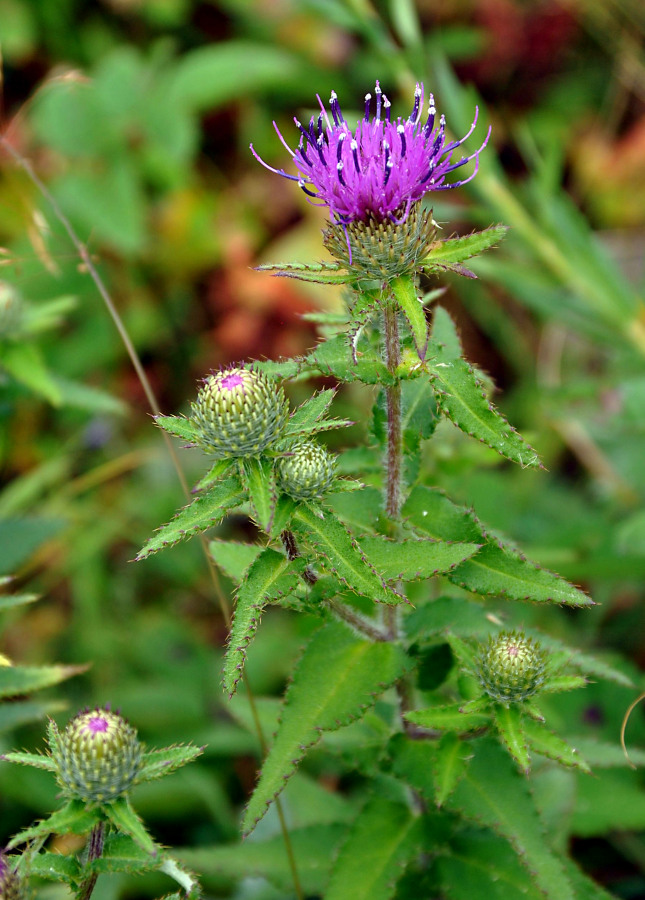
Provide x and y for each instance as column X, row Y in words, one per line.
column 511, row 667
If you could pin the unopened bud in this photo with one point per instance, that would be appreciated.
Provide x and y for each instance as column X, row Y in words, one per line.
column 97, row 756
column 239, row 412
column 511, row 667
column 307, row 472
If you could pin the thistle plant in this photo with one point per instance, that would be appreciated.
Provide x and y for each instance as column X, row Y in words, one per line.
column 96, row 760
column 386, row 563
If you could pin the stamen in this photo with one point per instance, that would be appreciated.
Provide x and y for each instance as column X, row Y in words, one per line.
column 333, row 105
column 389, row 165
column 319, row 125
column 432, row 112
column 271, row 169
column 339, row 169
column 354, row 149
column 283, row 142
column 379, row 94
column 339, row 149
column 417, row 103
column 388, row 108
column 302, row 186
column 401, row 133
column 455, row 144
column 368, row 100
column 319, row 147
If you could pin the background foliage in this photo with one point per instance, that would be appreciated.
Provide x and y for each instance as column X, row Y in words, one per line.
column 138, row 116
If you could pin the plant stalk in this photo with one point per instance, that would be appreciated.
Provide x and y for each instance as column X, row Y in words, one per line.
column 95, row 850
column 394, row 453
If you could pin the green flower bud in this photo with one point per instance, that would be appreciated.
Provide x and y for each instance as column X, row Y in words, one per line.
column 511, row 667
column 383, row 248
column 11, row 311
column 239, row 412
column 307, row 472
column 10, row 883
column 97, row 756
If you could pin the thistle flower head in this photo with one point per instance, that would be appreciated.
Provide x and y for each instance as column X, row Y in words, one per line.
column 239, row 412
column 307, row 472
column 97, row 756
column 511, row 667
column 383, row 166
column 10, row 884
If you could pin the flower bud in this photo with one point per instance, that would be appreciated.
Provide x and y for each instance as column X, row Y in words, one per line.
column 383, row 248
column 307, row 472
column 239, row 412
column 10, row 883
column 97, row 756
column 511, row 667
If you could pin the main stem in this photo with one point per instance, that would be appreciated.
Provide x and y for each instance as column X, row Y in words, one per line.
column 94, row 851
column 394, row 456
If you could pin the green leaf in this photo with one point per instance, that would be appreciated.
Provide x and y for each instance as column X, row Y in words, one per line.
column 482, row 866
column 206, row 510
column 180, row 427
column 56, row 867
column 336, row 680
column 544, row 742
column 512, row 731
column 260, row 483
column 405, row 294
column 461, row 398
column 313, row 847
column 122, row 854
column 384, row 837
column 457, row 615
column 217, row 472
column 555, row 684
column 413, row 762
column 15, row 680
column 450, row 762
column 309, row 412
column 419, row 411
column 601, row 755
column 73, row 818
column 14, row 600
column 37, row 760
column 121, row 814
column 233, row 558
column 268, row 578
column 360, row 511
column 158, row 763
column 21, row 712
column 333, row 357
column 444, row 332
column 339, row 553
column 448, row 718
column 431, row 512
column 20, row 537
column 26, row 364
column 411, row 560
column 447, row 255
column 494, row 570
column 318, row 273
column 284, row 511
column 494, row 794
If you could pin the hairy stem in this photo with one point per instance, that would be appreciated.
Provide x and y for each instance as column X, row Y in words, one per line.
column 94, row 851
column 394, row 455
column 92, row 271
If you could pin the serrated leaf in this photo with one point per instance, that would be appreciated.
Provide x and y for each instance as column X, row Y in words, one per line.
column 122, row 854
column 314, row 847
column 334, row 357
column 218, row 471
column 555, row 684
column 494, row 570
column 544, row 742
column 447, row 255
column 450, row 762
column 16, row 680
column 413, row 763
column 234, row 558
column 512, row 731
column 431, row 512
column 261, row 485
column 206, row 510
column 461, row 398
column 448, row 718
column 284, row 510
column 413, row 559
column 481, row 865
column 600, row 755
column 37, row 760
column 158, row 763
column 268, row 578
column 122, row 815
column 318, row 273
column 14, row 600
column 339, row 553
column 444, row 332
column 360, row 511
column 383, row 838
column 366, row 305
column 179, row 426
column 419, row 411
column 336, row 680
column 74, row 818
column 457, row 615
column 407, row 299
column 20, row 712
column 56, row 867
column 308, row 413
column 494, row 794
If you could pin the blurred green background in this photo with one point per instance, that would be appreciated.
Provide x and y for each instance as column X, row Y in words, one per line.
column 137, row 115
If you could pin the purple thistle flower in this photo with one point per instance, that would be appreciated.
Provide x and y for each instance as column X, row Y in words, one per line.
column 380, row 169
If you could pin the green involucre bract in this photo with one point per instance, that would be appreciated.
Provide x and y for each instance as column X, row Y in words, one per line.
column 511, row 667
column 307, row 472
